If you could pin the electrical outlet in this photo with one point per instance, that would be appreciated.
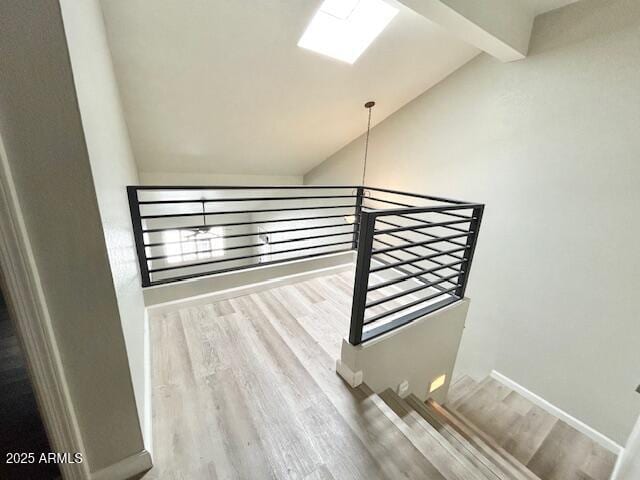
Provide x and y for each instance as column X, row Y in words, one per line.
column 403, row 389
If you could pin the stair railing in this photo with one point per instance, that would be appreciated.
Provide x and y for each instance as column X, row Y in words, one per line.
column 412, row 260
column 414, row 252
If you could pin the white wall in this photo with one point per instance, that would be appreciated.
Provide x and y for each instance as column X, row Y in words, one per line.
column 113, row 168
column 551, row 145
column 209, row 179
column 43, row 136
column 418, row 353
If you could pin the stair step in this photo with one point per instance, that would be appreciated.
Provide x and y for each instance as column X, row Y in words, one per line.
column 484, row 442
column 460, row 397
column 463, row 447
column 459, row 389
column 432, row 444
column 405, row 453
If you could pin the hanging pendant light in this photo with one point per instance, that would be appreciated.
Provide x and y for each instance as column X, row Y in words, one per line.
column 351, row 219
column 369, row 105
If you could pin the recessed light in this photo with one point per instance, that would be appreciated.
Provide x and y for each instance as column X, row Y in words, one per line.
column 437, row 383
column 343, row 29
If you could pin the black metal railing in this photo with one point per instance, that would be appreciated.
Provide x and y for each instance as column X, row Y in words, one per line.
column 188, row 232
column 414, row 256
column 414, row 252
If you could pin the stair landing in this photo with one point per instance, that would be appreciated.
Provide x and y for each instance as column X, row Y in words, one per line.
column 546, row 445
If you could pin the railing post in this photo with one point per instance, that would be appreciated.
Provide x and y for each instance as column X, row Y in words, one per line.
column 474, row 226
column 358, row 213
column 361, row 282
column 136, row 221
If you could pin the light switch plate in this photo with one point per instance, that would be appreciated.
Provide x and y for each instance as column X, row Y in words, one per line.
column 403, row 388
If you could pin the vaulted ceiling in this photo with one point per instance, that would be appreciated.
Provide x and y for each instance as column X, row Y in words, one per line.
column 221, row 86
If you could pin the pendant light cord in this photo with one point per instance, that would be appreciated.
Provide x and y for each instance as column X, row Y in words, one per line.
column 369, row 106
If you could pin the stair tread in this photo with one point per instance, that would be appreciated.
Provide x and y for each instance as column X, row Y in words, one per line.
column 463, row 446
column 433, row 445
column 460, row 389
column 461, row 397
column 410, row 451
column 484, row 441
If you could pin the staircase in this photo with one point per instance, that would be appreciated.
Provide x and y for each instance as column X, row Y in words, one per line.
column 446, row 440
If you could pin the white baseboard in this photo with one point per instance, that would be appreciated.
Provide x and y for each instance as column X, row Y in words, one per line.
column 126, row 468
column 167, row 307
column 147, row 427
column 582, row 427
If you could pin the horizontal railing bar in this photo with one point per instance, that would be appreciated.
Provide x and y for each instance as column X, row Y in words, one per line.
column 418, row 257
column 400, row 237
column 403, row 212
column 418, row 228
column 266, row 232
column 403, row 293
column 253, row 245
column 443, row 210
column 235, row 224
column 245, row 267
column 409, row 305
column 142, row 188
column 391, row 202
column 376, row 331
column 464, row 217
column 413, row 263
column 412, row 208
column 243, row 199
column 419, row 244
column 244, row 257
column 404, row 278
column 241, row 187
column 416, row 195
column 413, row 260
column 237, row 212
column 430, row 235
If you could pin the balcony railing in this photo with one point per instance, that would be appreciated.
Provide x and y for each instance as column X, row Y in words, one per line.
column 414, row 252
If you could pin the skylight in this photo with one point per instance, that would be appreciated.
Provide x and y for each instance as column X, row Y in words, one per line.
column 343, row 29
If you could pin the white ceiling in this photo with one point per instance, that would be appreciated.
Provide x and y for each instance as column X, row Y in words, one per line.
column 220, row 86
column 542, row 6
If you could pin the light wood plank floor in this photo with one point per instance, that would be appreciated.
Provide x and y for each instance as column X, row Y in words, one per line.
column 246, row 388
column 549, row 447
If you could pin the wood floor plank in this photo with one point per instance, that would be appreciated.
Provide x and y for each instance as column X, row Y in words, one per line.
column 360, row 413
column 527, row 435
column 436, row 448
column 600, row 463
column 460, row 388
column 340, row 450
column 549, row 447
column 487, row 445
column 245, row 388
column 554, row 461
